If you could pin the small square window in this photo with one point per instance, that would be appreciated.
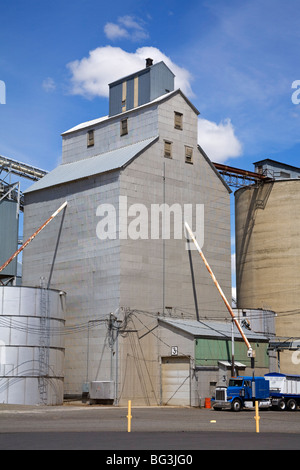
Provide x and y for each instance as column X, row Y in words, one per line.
column 90, row 138
column 168, row 149
column 178, row 120
column 189, row 155
column 124, row 127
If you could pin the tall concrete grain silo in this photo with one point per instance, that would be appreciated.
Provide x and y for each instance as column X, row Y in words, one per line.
column 268, row 251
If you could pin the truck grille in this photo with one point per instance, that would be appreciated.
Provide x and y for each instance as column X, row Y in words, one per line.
column 220, row 394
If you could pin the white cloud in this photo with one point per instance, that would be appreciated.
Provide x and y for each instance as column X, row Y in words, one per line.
column 49, row 84
column 91, row 75
column 128, row 27
column 114, row 31
column 218, row 140
column 131, row 22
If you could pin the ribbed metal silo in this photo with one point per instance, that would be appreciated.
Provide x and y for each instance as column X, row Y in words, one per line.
column 268, row 255
column 31, row 346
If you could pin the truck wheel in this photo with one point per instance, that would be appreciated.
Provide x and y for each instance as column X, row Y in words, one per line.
column 281, row 405
column 292, row 405
column 236, row 405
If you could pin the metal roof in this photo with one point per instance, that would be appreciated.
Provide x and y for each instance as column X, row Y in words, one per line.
column 212, row 329
column 109, row 161
column 237, row 364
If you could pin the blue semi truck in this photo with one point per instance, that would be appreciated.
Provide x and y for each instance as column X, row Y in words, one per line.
column 274, row 390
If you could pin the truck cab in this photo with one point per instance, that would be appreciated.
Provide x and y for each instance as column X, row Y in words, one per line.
column 241, row 393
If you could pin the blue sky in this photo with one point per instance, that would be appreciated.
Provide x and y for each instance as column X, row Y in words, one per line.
column 236, row 61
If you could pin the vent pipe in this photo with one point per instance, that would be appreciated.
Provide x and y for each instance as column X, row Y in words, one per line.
column 149, row 62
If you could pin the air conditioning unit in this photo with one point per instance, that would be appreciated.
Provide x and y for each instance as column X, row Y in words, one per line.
column 101, row 391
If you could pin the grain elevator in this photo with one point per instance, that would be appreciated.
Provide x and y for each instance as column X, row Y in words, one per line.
column 142, row 319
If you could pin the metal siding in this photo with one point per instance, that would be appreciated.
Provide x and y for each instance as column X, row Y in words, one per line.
column 115, row 99
column 144, row 88
column 161, row 81
column 209, row 351
column 130, row 94
column 31, row 352
column 8, row 236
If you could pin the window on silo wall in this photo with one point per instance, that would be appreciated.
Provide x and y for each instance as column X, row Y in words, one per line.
column 188, row 155
column 284, row 174
column 124, row 127
column 209, row 351
column 178, row 120
column 90, row 138
column 167, row 149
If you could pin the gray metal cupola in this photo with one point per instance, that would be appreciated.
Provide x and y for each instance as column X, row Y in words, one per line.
column 140, row 88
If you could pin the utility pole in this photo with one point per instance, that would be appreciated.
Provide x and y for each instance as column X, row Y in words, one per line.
column 232, row 351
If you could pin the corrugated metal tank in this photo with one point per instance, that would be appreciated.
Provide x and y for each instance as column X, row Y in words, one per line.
column 9, row 222
column 268, row 255
column 31, row 346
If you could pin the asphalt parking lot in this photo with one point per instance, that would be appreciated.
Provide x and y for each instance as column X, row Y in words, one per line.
column 156, row 427
column 86, row 418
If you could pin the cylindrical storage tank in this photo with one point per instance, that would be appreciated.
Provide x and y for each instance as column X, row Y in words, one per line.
column 31, row 346
column 267, row 224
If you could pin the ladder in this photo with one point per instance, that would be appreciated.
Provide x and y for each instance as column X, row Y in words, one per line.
column 44, row 344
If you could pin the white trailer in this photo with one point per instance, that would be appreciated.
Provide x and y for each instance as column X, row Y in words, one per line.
column 284, row 390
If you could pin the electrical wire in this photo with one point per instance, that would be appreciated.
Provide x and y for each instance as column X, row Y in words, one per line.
column 12, row 323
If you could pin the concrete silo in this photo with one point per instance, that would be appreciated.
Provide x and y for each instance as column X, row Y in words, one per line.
column 268, row 255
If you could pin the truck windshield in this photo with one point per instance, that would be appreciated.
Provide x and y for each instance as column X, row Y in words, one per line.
column 235, row 382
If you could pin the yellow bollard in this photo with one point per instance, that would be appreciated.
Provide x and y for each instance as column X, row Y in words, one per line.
column 129, row 416
column 257, row 418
